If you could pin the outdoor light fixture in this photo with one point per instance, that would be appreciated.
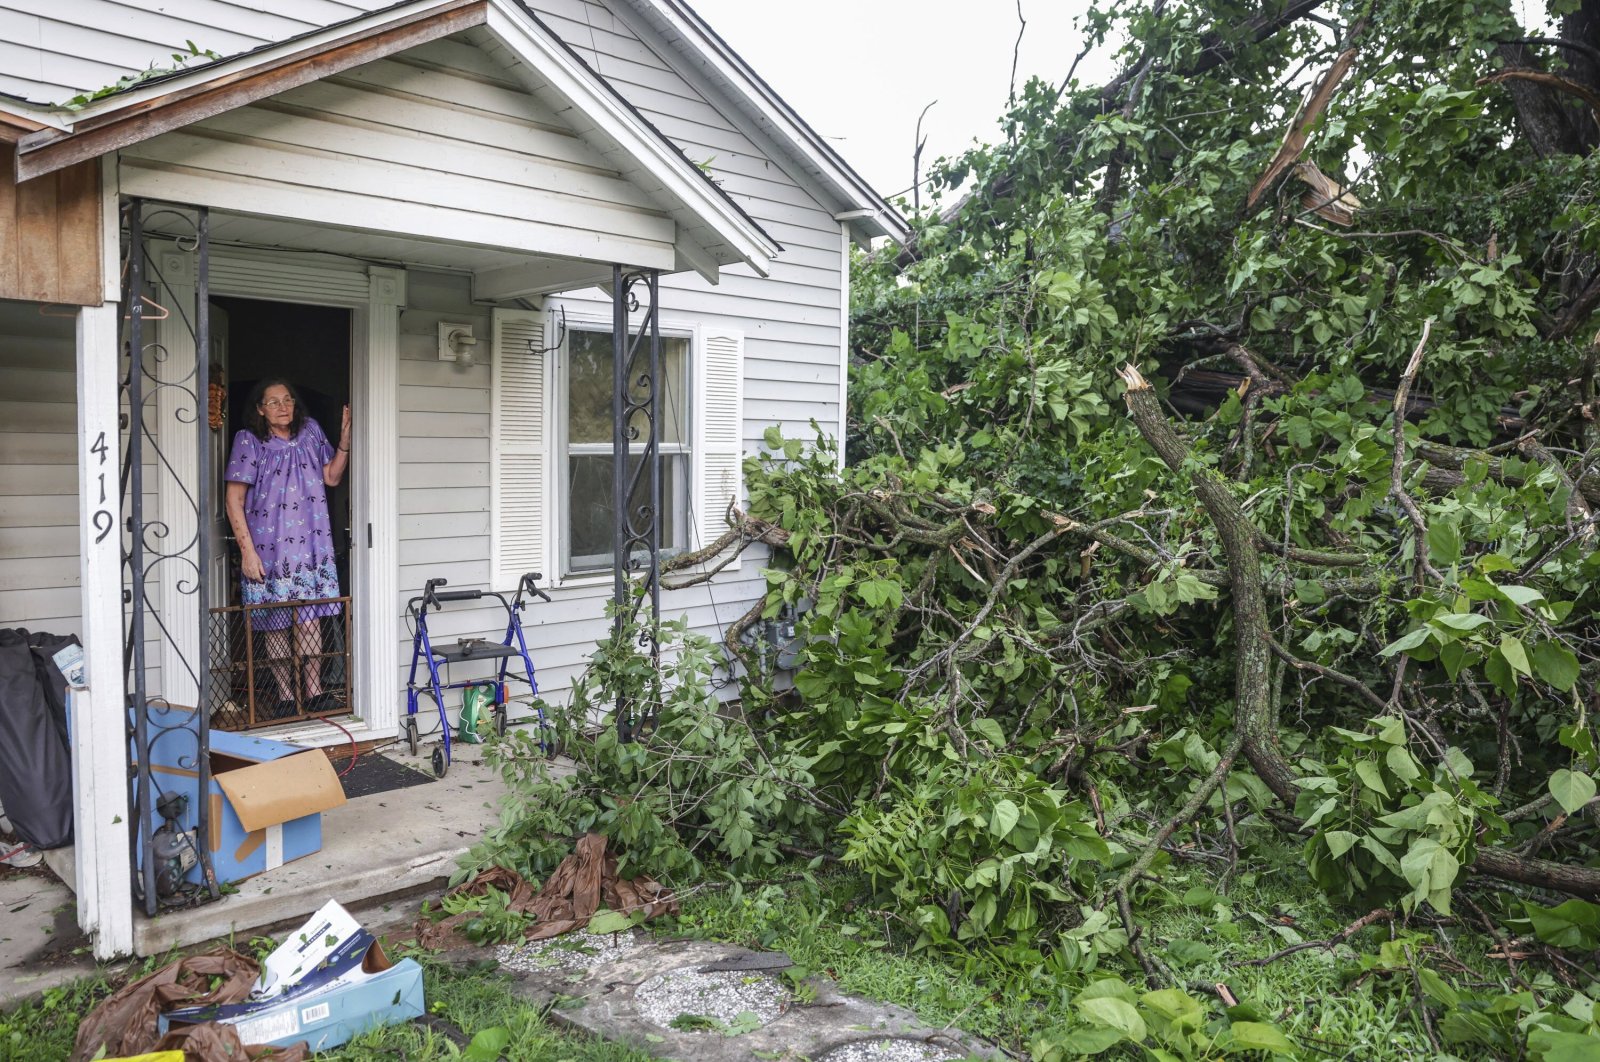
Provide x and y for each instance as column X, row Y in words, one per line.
column 456, row 343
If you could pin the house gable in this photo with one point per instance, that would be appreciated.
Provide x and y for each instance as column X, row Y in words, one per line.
column 568, row 170
column 657, row 53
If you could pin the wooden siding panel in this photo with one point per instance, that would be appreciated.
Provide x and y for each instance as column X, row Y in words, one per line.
column 10, row 264
column 50, row 234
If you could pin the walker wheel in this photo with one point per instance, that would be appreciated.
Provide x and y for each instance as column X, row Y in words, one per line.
column 501, row 712
column 439, row 766
column 411, row 735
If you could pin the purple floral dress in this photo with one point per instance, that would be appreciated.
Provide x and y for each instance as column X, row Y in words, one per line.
column 286, row 509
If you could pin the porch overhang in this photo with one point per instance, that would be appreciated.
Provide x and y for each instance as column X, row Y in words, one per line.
column 711, row 230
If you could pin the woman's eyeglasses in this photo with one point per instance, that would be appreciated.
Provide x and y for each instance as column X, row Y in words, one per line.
column 278, row 403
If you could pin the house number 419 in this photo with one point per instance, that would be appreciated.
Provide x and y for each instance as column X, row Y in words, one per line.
column 102, row 518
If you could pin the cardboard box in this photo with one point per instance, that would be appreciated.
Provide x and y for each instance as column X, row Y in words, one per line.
column 322, row 943
column 266, row 798
column 353, row 988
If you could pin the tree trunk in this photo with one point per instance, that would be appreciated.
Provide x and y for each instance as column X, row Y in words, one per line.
column 1254, row 717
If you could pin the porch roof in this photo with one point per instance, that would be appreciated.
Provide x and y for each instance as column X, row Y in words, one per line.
column 712, row 230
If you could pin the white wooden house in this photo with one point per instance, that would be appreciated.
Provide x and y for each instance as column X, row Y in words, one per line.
column 378, row 184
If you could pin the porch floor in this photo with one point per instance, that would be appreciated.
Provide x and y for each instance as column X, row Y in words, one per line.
column 373, row 848
column 376, row 852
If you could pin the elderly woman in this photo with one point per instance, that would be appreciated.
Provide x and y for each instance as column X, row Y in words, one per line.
column 278, row 476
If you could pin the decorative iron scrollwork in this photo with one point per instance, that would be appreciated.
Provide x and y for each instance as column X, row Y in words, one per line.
column 636, row 470
column 152, row 382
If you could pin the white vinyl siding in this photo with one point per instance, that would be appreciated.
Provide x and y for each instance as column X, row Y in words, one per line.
column 51, row 51
column 446, row 505
column 435, row 144
column 38, row 471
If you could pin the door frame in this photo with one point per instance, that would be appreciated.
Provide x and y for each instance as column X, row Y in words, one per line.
column 374, row 295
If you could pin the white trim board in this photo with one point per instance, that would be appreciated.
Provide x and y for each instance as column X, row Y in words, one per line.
column 374, row 295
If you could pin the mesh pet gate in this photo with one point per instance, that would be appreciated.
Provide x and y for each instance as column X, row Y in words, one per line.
column 273, row 664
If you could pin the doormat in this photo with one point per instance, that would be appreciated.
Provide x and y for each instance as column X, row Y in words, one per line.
column 379, row 774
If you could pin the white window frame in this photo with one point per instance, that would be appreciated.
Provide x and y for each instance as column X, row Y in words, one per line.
column 580, row 321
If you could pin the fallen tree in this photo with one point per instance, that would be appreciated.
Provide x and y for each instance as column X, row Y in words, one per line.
column 1211, row 489
column 1305, row 504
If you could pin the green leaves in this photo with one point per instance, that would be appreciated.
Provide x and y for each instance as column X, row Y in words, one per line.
column 1556, row 664
column 1388, row 830
column 1169, row 1023
column 1003, row 819
column 609, row 922
column 1431, row 869
column 487, row 1045
column 1571, row 789
column 1108, row 1012
column 1258, row 1036
column 1515, row 654
column 1574, row 924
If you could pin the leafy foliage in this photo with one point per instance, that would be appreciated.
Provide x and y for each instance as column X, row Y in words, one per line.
column 702, row 787
column 1185, row 510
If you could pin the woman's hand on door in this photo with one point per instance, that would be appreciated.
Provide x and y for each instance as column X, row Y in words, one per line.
column 344, row 429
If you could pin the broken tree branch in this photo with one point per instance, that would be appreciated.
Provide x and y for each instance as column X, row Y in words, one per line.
column 1254, row 718
column 1554, row 81
column 1255, row 721
column 1382, row 914
column 1397, row 487
column 1299, row 133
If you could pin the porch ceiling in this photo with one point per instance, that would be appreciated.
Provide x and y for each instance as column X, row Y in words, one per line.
column 484, row 263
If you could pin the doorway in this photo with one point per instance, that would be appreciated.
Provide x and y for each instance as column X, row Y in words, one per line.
column 273, row 666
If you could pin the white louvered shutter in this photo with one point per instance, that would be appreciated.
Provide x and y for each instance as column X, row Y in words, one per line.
column 719, row 431
column 522, row 521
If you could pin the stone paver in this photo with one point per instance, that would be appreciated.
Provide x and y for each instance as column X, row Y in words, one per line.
column 622, row 997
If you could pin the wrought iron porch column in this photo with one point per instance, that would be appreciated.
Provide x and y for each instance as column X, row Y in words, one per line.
column 635, row 413
column 159, row 552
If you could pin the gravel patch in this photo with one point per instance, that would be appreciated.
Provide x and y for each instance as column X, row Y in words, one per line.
column 722, row 996
column 889, row 1049
column 571, row 951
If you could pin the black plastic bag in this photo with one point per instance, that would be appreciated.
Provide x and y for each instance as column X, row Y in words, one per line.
column 35, row 763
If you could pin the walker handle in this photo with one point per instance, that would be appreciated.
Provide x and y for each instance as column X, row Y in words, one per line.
column 431, row 596
column 530, row 583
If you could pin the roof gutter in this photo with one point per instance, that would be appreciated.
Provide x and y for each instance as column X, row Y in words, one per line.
column 18, row 119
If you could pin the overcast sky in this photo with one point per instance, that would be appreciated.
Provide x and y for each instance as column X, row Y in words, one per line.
column 860, row 71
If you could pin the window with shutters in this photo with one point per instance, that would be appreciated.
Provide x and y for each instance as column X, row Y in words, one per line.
column 585, row 454
column 551, row 493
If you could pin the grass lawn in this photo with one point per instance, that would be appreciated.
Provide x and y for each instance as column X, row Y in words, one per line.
column 1334, row 1003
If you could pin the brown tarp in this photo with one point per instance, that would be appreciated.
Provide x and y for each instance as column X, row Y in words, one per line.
column 585, row 882
column 125, row 1024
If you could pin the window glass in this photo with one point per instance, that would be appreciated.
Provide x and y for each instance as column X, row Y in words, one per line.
column 589, row 364
column 589, row 484
column 590, row 519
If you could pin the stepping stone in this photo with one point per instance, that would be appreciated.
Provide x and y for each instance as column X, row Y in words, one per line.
column 660, row 997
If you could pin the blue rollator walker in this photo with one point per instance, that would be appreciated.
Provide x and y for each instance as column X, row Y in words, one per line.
column 512, row 646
